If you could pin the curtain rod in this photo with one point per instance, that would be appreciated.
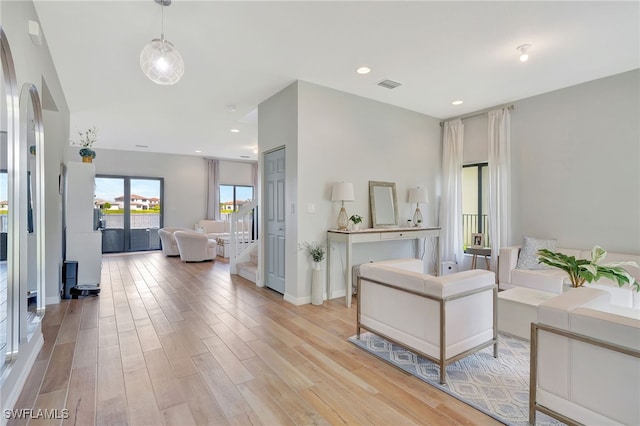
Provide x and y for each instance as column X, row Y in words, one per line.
column 477, row 114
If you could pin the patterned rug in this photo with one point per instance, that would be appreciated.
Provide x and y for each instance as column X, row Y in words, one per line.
column 499, row 387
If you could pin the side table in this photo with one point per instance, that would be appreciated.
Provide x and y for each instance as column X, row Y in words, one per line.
column 479, row 251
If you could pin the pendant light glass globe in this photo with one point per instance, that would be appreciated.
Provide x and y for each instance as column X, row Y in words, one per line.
column 161, row 62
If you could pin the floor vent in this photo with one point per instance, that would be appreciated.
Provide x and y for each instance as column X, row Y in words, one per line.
column 389, row 84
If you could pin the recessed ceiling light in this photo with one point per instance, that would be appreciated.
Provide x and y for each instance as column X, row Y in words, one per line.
column 244, row 156
column 363, row 70
column 198, row 151
column 235, row 130
column 523, row 48
column 231, row 108
column 457, row 102
column 255, row 151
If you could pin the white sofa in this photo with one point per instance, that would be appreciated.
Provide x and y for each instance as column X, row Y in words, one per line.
column 213, row 228
column 194, row 246
column 555, row 280
column 586, row 360
column 443, row 318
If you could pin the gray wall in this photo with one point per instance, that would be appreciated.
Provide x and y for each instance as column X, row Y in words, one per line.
column 332, row 136
column 576, row 165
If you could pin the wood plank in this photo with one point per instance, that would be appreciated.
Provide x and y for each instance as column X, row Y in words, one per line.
column 57, row 375
column 234, row 368
column 147, row 335
column 81, row 399
column 130, row 351
column 203, row 406
column 178, row 415
column 141, row 401
column 111, row 405
column 223, row 390
column 164, row 383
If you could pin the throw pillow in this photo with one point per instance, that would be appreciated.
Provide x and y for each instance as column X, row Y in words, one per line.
column 528, row 258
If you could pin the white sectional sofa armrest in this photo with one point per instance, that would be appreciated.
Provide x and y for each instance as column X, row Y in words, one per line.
column 507, row 261
column 585, row 360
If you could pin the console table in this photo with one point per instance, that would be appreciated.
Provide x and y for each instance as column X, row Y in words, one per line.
column 372, row 235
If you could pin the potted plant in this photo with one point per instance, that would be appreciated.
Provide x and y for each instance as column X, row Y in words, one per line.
column 584, row 270
column 357, row 221
column 87, row 139
column 317, row 252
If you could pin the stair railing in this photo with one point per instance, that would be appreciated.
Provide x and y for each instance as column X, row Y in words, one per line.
column 243, row 233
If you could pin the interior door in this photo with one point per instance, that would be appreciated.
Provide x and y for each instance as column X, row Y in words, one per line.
column 275, row 220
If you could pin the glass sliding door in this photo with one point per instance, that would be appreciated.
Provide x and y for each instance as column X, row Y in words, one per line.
column 144, row 214
column 130, row 211
column 110, row 204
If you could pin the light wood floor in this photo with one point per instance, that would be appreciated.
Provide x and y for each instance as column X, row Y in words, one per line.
column 180, row 344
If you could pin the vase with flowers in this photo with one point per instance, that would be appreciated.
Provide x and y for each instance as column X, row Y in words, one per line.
column 317, row 252
column 86, row 141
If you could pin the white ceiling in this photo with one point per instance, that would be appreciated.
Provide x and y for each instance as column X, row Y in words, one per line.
column 240, row 53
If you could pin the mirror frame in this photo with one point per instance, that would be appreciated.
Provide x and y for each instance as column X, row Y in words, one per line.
column 29, row 97
column 13, row 132
column 376, row 204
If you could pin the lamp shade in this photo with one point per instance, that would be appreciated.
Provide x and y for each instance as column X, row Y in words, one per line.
column 342, row 191
column 418, row 195
column 161, row 62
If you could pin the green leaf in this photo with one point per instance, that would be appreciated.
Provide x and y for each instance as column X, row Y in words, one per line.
column 598, row 254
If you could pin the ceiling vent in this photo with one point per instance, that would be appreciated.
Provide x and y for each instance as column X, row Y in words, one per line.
column 389, row 84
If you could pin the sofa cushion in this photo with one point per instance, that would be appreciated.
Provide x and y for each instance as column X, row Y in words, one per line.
column 528, row 257
column 551, row 280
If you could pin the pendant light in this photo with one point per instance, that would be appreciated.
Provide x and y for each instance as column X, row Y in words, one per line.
column 160, row 60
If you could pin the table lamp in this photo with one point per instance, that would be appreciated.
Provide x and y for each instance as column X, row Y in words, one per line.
column 342, row 192
column 418, row 195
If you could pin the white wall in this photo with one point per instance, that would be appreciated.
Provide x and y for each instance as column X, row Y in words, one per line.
column 576, row 165
column 342, row 137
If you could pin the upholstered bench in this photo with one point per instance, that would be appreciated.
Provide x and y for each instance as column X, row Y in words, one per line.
column 518, row 308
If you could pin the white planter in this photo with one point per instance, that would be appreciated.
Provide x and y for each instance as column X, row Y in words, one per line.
column 316, row 284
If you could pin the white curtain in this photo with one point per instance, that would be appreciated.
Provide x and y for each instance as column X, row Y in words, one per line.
column 213, row 190
column 451, row 240
column 499, row 136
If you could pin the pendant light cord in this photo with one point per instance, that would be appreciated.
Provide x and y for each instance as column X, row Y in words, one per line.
column 162, row 22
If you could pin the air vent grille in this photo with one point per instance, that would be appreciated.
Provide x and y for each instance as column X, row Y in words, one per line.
column 389, row 84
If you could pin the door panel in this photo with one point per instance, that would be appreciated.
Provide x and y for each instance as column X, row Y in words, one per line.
column 275, row 226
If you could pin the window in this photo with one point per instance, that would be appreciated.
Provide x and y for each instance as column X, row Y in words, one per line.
column 232, row 197
column 475, row 195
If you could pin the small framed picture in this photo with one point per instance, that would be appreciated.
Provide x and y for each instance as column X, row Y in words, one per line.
column 477, row 240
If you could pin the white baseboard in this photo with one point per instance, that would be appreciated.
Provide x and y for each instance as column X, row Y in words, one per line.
column 54, row 300
column 297, row 300
column 338, row 293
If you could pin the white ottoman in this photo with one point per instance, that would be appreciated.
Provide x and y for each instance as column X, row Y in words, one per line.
column 518, row 308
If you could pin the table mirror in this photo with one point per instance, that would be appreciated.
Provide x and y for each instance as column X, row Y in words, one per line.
column 384, row 204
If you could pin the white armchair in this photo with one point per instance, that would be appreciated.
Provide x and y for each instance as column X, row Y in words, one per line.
column 169, row 246
column 443, row 318
column 585, row 360
column 195, row 247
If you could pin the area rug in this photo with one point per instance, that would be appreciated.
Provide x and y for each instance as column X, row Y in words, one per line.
column 499, row 387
